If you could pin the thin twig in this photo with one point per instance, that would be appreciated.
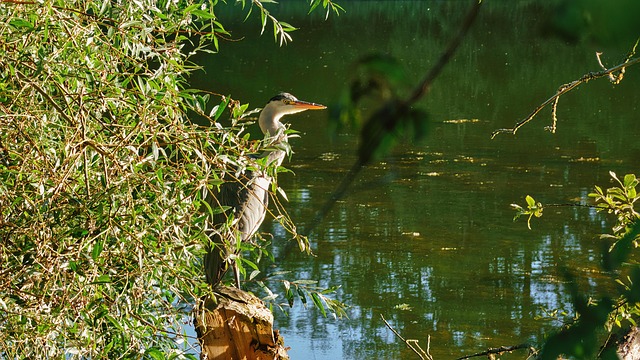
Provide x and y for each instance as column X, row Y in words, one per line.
column 411, row 343
column 499, row 351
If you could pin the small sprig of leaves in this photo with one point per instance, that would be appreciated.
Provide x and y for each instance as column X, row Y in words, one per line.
column 533, row 208
column 619, row 200
column 328, row 5
column 303, row 290
column 282, row 29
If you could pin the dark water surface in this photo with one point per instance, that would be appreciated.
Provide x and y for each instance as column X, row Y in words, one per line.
column 425, row 237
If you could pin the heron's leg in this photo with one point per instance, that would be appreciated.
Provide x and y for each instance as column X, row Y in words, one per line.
column 236, row 273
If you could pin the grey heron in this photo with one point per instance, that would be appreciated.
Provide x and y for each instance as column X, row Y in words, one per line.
column 246, row 200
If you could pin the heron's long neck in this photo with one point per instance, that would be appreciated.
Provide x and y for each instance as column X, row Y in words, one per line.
column 269, row 121
column 271, row 126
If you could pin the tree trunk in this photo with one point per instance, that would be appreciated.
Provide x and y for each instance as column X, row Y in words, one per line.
column 237, row 326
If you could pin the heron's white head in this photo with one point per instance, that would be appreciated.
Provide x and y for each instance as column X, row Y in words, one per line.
column 280, row 105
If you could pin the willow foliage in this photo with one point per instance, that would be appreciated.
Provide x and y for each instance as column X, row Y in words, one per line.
column 102, row 175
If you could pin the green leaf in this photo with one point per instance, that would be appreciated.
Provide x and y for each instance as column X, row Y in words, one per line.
column 97, row 249
column 305, row 282
column 21, row 23
column 190, row 8
column 318, row 302
column 314, row 5
column 79, row 233
column 282, row 272
column 630, row 180
column 302, row 296
column 263, row 21
column 219, row 109
column 102, row 279
column 287, row 27
column 203, row 14
column 530, row 201
column 290, row 296
column 253, row 274
column 250, row 263
column 155, row 353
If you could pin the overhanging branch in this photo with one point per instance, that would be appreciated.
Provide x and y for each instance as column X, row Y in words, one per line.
column 615, row 79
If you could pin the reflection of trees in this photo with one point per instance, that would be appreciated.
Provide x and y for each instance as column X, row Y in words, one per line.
column 471, row 277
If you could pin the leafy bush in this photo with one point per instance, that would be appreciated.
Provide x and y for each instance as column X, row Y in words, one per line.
column 102, row 175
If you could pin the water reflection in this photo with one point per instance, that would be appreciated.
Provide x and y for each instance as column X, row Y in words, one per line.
column 426, row 236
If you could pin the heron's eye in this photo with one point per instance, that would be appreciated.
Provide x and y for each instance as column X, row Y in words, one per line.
column 287, row 102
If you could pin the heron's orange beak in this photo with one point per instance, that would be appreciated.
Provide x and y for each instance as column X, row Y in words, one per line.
column 308, row 105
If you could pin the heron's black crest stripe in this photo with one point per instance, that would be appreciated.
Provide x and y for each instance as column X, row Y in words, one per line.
column 283, row 96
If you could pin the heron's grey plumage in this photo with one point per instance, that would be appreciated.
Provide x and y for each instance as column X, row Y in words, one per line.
column 247, row 196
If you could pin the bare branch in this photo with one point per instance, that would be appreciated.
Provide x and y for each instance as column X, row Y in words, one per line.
column 501, row 350
column 610, row 73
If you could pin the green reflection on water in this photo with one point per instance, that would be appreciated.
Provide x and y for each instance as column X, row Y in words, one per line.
column 430, row 228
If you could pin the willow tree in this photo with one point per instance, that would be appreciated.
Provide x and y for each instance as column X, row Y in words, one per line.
column 102, row 174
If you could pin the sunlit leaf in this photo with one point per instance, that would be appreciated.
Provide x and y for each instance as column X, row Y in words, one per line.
column 253, row 274
column 305, row 282
column 302, row 296
column 97, row 249
column 155, row 354
column 318, row 303
column 104, row 278
column 530, row 201
column 21, row 23
column 203, row 14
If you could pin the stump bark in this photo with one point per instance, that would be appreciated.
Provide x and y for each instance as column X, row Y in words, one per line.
column 629, row 347
column 237, row 325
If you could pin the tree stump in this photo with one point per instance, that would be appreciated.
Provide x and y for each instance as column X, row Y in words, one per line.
column 237, row 325
column 629, row 347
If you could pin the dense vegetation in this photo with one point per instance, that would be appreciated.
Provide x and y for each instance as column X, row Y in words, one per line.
column 102, row 173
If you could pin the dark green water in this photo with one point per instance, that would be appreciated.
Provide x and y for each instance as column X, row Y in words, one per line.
column 425, row 237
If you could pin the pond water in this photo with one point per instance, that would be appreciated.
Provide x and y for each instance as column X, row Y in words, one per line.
column 425, row 236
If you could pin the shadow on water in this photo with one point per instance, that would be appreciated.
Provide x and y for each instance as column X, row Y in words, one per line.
column 426, row 236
